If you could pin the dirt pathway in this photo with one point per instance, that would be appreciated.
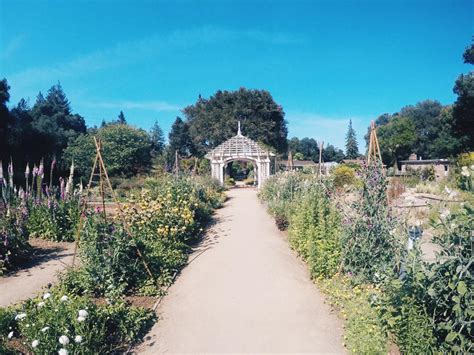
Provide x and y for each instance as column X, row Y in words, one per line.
column 244, row 291
column 49, row 258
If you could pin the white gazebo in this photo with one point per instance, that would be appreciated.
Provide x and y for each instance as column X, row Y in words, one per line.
column 241, row 148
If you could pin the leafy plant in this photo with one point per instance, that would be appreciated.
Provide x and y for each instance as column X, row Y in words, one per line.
column 372, row 249
column 343, row 175
column 76, row 324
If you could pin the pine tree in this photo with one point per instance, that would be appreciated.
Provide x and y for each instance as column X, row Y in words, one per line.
column 352, row 150
column 157, row 139
column 179, row 139
column 121, row 118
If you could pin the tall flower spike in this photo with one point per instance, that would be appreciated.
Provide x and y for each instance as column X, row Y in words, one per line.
column 10, row 173
column 1, row 172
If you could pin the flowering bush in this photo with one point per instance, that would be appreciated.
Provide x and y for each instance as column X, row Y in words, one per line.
column 14, row 244
column 372, row 248
column 160, row 223
column 54, row 219
column 56, row 323
column 279, row 193
column 343, row 175
column 315, row 231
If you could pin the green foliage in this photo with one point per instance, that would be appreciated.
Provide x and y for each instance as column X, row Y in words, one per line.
column 74, row 323
column 214, row 120
column 352, row 149
column 125, row 149
column 432, row 308
column 160, row 223
column 54, row 219
column 179, row 140
column 465, row 172
column 14, row 246
column 372, row 250
column 343, row 175
column 315, row 231
column 396, row 139
column 363, row 331
column 280, row 192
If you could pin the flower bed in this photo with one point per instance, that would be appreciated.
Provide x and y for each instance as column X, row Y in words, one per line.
column 361, row 263
column 86, row 312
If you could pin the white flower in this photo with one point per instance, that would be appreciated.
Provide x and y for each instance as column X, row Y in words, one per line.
column 83, row 313
column 46, row 295
column 44, row 329
column 62, row 352
column 10, row 335
column 464, row 168
column 444, row 214
column 41, row 304
column 35, row 343
column 78, row 339
column 465, row 173
column 20, row 316
column 64, row 340
column 472, row 167
column 80, row 319
column 64, row 298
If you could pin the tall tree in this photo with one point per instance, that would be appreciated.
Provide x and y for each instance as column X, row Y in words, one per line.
column 396, row 139
column 352, row 149
column 424, row 115
column 309, row 148
column 179, row 139
column 121, row 118
column 4, row 118
column 157, row 139
column 463, row 109
column 126, row 150
column 331, row 153
column 53, row 123
column 214, row 120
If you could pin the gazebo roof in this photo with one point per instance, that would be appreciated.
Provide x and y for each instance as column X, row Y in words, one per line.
column 239, row 146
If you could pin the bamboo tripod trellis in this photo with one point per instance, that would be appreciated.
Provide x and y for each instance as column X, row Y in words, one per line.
column 373, row 154
column 104, row 178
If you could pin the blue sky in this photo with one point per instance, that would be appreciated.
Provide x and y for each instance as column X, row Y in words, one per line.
column 323, row 61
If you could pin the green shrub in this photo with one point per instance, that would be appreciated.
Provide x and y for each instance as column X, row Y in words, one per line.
column 372, row 249
column 432, row 308
column 343, row 175
column 56, row 321
column 315, row 231
column 54, row 219
column 160, row 224
column 14, row 246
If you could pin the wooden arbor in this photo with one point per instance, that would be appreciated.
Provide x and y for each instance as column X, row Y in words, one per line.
column 240, row 147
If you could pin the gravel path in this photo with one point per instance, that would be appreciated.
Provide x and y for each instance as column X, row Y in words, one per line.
column 49, row 258
column 244, row 291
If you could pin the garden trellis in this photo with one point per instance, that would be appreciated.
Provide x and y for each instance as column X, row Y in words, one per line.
column 103, row 178
column 373, row 153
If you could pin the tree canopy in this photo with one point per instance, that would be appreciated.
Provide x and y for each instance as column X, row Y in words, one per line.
column 463, row 108
column 126, row 150
column 214, row 120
